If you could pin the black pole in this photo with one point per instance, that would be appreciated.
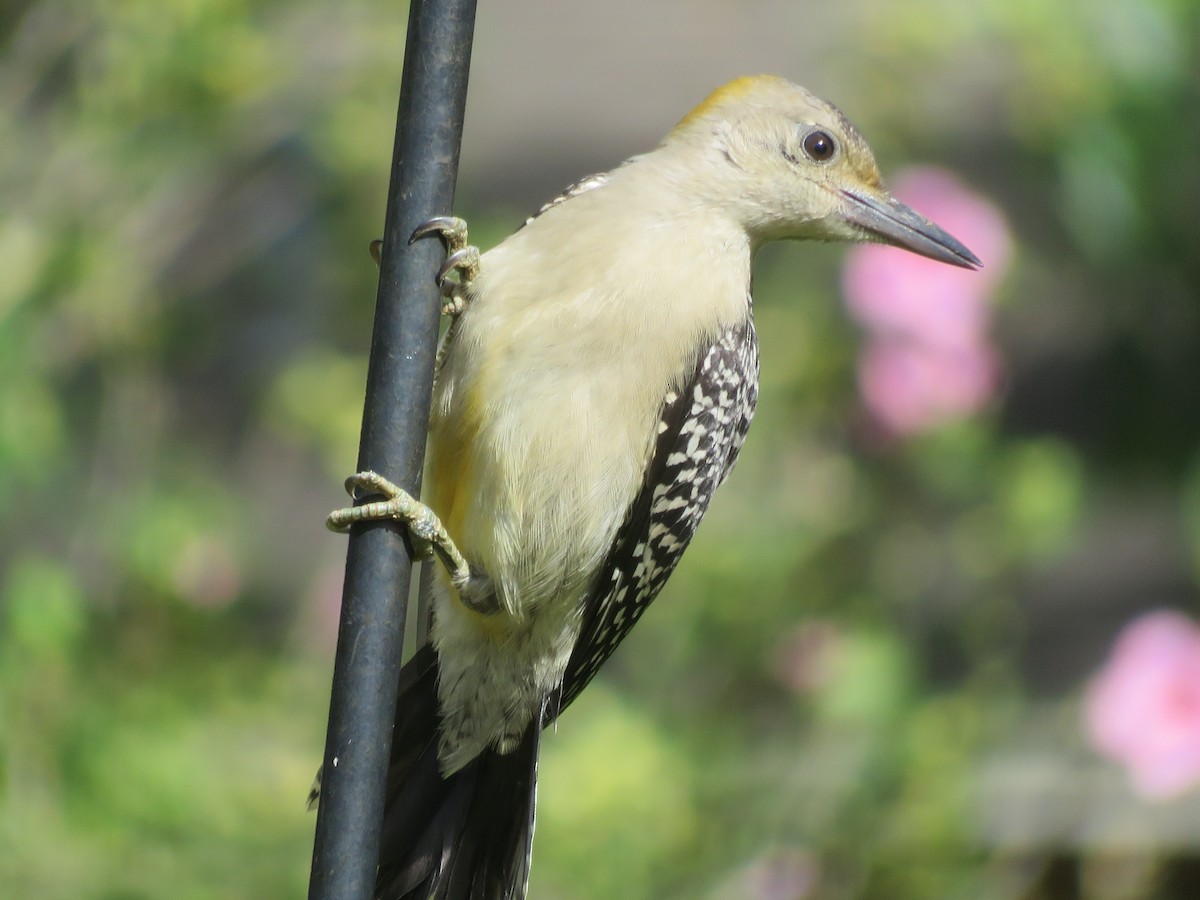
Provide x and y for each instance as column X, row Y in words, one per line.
column 395, row 417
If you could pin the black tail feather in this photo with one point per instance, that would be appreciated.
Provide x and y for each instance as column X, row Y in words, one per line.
column 465, row 837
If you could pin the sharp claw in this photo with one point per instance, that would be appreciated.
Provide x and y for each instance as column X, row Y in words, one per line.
column 465, row 261
column 376, row 250
column 425, row 229
column 461, row 257
column 450, row 229
column 369, row 483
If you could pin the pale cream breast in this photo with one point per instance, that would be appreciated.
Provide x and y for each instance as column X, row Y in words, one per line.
column 557, row 461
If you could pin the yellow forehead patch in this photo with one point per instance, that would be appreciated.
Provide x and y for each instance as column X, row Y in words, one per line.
column 734, row 90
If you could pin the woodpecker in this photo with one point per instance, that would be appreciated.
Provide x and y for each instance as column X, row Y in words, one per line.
column 593, row 391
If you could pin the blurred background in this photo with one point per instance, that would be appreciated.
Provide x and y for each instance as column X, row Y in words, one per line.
column 937, row 637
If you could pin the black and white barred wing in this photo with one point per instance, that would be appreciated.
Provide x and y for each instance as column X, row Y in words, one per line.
column 700, row 434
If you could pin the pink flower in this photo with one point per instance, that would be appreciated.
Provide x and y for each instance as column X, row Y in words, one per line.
column 1143, row 707
column 910, row 387
column 892, row 290
column 929, row 360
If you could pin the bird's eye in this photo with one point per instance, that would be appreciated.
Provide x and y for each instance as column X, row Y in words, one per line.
column 819, row 146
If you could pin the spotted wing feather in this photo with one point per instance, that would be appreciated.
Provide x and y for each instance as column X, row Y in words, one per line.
column 579, row 187
column 701, row 430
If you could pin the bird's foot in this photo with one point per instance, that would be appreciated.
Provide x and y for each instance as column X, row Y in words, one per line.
column 429, row 537
column 428, row 534
column 461, row 259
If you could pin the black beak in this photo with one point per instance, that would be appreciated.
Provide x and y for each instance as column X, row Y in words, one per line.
column 888, row 220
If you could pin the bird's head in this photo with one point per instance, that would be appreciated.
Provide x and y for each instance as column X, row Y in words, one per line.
column 789, row 165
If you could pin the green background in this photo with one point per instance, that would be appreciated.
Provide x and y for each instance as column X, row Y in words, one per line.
column 187, row 189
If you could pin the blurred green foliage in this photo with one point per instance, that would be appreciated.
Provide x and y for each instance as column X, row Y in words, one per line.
column 866, row 636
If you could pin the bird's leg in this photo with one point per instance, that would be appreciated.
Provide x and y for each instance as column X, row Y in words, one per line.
column 461, row 258
column 425, row 529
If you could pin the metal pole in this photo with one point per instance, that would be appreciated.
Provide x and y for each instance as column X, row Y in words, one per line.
column 395, row 418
